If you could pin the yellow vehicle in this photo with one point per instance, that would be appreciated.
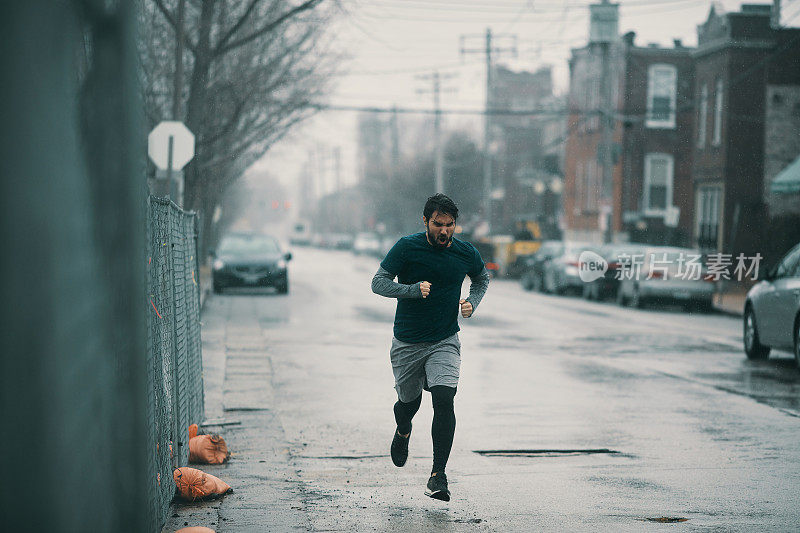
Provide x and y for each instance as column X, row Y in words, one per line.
column 526, row 241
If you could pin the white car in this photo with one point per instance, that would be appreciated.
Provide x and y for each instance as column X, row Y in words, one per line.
column 772, row 310
column 367, row 244
column 667, row 274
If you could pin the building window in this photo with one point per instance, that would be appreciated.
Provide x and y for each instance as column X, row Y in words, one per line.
column 657, row 183
column 709, row 200
column 661, row 94
column 717, row 136
column 591, row 187
column 580, row 179
column 702, row 119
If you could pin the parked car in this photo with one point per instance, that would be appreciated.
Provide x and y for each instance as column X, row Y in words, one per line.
column 517, row 268
column 606, row 287
column 663, row 276
column 334, row 241
column 301, row 234
column 387, row 241
column 772, row 310
column 560, row 273
column 367, row 244
column 250, row 260
column 342, row 241
column 532, row 276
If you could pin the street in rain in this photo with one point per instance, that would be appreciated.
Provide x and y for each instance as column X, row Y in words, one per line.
column 455, row 265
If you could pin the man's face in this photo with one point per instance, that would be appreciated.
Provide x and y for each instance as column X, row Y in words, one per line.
column 440, row 229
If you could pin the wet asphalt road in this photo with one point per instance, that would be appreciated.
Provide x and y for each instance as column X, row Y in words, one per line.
column 686, row 427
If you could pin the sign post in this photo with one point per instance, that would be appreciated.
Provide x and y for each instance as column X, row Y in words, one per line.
column 170, row 146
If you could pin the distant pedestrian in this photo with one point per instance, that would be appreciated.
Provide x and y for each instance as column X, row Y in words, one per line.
column 425, row 353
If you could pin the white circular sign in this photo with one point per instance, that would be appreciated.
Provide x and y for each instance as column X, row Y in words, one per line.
column 182, row 145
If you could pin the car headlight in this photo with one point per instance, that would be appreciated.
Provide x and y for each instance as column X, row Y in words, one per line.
column 219, row 264
column 571, row 271
column 281, row 264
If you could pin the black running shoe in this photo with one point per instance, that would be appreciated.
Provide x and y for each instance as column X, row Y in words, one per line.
column 437, row 487
column 400, row 448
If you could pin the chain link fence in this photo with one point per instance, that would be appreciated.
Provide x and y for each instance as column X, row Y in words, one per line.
column 174, row 357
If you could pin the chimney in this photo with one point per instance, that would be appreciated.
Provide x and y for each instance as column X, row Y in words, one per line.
column 629, row 38
column 775, row 15
column 603, row 22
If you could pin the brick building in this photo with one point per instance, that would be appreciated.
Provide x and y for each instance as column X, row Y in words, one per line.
column 651, row 161
column 748, row 71
column 585, row 198
column 656, row 161
column 523, row 161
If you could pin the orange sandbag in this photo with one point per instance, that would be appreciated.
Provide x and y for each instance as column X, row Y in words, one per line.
column 196, row 529
column 208, row 449
column 194, row 484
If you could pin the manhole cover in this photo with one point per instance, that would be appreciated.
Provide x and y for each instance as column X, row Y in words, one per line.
column 666, row 519
column 544, row 453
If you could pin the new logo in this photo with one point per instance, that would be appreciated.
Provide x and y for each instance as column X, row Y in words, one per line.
column 591, row 266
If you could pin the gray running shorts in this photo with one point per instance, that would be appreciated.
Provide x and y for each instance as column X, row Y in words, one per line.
column 424, row 365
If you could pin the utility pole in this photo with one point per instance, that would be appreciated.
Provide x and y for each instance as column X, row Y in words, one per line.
column 488, row 51
column 337, row 166
column 436, row 79
column 775, row 20
column 177, row 92
column 321, row 175
column 171, row 183
column 603, row 31
column 395, row 133
column 607, row 125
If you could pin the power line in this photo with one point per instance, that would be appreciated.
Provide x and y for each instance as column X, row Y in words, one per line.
column 475, row 112
column 509, row 7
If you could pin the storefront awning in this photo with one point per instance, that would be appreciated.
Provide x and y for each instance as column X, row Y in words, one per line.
column 788, row 180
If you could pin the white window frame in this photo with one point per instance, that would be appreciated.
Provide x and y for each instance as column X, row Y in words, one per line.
column 702, row 119
column 716, row 137
column 591, row 186
column 651, row 90
column 580, row 181
column 709, row 200
column 648, row 159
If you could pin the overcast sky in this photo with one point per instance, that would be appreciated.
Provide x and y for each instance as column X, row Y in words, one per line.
column 391, row 42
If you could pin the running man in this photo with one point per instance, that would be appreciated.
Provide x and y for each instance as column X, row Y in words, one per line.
column 425, row 354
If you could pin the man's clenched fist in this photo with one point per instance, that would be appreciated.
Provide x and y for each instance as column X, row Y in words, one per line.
column 466, row 308
column 425, row 288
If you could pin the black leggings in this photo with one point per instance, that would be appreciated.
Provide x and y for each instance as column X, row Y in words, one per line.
column 444, row 422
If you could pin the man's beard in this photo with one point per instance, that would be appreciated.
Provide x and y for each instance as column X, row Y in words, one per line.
column 434, row 240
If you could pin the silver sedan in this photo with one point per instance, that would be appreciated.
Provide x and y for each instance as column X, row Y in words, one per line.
column 772, row 310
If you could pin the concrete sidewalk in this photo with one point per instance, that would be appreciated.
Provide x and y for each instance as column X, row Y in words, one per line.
column 730, row 299
column 239, row 398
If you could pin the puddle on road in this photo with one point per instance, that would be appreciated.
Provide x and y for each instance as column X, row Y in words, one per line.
column 545, row 452
column 784, row 397
column 488, row 321
column 372, row 314
column 626, row 483
column 644, row 343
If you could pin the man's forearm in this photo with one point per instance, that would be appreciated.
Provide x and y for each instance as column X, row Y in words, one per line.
column 383, row 284
column 477, row 288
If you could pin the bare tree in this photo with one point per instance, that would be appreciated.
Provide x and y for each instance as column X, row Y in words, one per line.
column 253, row 70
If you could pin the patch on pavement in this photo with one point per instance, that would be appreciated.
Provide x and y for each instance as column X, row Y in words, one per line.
column 343, row 457
column 374, row 315
column 544, row 453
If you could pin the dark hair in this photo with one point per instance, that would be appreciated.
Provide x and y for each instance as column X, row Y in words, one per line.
column 441, row 203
